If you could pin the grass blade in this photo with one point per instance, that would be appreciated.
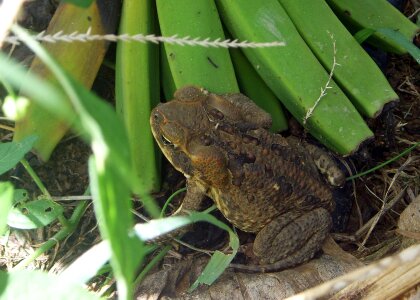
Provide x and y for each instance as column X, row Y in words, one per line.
column 110, row 169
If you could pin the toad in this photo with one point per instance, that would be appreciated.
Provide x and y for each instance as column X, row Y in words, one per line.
column 261, row 182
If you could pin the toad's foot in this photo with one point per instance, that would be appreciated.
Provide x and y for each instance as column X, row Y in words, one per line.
column 289, row 240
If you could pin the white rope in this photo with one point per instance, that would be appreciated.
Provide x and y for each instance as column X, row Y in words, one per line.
column 181, row 41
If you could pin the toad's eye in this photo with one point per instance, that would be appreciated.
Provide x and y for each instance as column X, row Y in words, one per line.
column 165, row 141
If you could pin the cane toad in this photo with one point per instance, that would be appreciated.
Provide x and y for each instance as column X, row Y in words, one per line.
column 261, row 182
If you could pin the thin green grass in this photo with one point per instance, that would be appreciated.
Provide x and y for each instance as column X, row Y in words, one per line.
column 405, row 152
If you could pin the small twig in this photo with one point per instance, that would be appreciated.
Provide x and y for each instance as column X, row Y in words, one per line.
column 327, row 85
column 370, row 224
column 385, row 205
column 410, row 194
column 341, row 237
column 414, row 14
column 72, row 198
column 356, row 200
column 5, row 127
column 180, row 41
column 388, row 247
column 373, row 194
column 189, row 246
column 413, row 91
column 407, row 142
column 399, row 170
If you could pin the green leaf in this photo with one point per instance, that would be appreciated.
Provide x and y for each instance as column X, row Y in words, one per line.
column 393, row 35
column 363, row 35
column 215, row 267
column 20, row 195
column 219, row 261
column 12, row 152
column 402, row 41
column 112, row 205
column 81, row 3
column 37, row 285
column 6, row 198
column 34, row 214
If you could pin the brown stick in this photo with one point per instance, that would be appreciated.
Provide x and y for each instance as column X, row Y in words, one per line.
column 386, row 279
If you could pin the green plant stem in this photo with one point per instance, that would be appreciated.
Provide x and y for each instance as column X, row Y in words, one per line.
column 162, row 213
column 110, row 286
column 64, row 222
column 35, row 178
column 210, row 209
column 151, row 264
column 105, row 269
column 62, row 234
column 406, row 151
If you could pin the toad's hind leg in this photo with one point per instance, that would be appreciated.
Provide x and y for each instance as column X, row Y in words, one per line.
column 291, row 239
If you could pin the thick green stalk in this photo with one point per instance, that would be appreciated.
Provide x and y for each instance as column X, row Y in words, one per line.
column 294, row 74
column 357, row 74
column 375, row 14
column 210, row 68
column 137, row 89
